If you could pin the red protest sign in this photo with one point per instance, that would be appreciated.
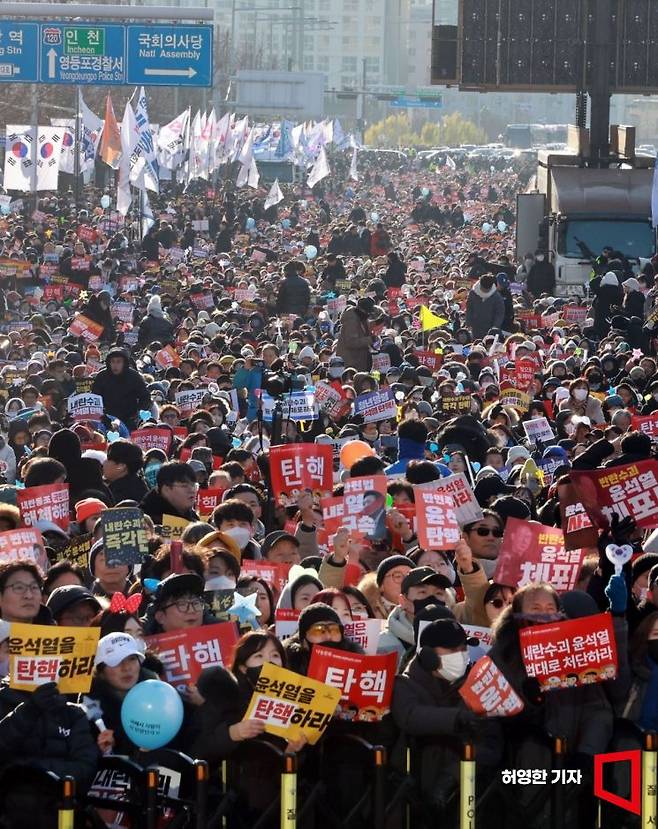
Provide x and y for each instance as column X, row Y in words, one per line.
column 208, row 499
column 82, row 326
column 568, row 654
column 574, row 314
column 362, row 508
column 647, row 424
column 299, row 466
column 44, row 503
column 525, row 372
column 576, row 524
column 486, row 691
column 186, row 454
column 23, row 545
column 185, row 653
column 429, row 359
column 167, row 357
column 152, row 439
column 275, row 574
column 365, row 682
column 437, row 524
column 532, row 552
column 631, row 489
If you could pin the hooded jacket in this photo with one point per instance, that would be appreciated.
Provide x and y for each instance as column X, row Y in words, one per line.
column 7, row 462
column 82, row 474
column 484, row 310
column 123, row 394
column 155, row 326
column 294, row 295
column 354, row 340
column 154, row 505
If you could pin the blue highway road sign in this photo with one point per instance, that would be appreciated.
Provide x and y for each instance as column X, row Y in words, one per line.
column 83, row 53
column 415, row 102
column 170, row 55
column 19, row 52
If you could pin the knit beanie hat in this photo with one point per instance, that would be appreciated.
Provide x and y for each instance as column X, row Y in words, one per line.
column 643, row 564
column 389, row 563
column 314, row 613
column 87, row 507
column 96, row 548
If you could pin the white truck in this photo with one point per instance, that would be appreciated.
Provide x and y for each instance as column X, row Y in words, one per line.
column 572, row 210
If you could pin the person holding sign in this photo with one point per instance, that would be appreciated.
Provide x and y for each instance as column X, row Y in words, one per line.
column 427, row 704
column 122, row 388
column 319, row 624
column 21, row 590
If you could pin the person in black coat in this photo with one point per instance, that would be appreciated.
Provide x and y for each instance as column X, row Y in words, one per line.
column 294, row 293
column 123, row 471
column 50, row 733
column 541, row 277
column 83, row 475
column 150, row 243
column 634, row 301
column 298, row 647
column 122, row 388
column 155, row 327
column 502, row 282
column 396, row 272
column 334, row 270
column 608, row 294
column 223, row 242
column 99, row 310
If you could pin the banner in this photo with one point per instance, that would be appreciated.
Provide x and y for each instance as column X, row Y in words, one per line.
column 185, row 653
column 286, row 622
column 300, row 466
column 124, row 536
column 458, row 404
column 467, row 508
column 365, row 632
column 173, row 527
column 631, row 489
column 82, row 326
column 487, row 692
column 85, row 407
column 275, row 574
column 429, row 359
column 77, row 550
column 361, row 508
column 533, row 552
column 437, row 526
column 538, row 430
column 24, row 545
column 44, row 503
column 365, row 682
column 42, row 653
column 158, row 438
column 300, row 405
column 292, row 705
column 569, row 654
column 376, row 405
column 381, row 363
column 576, row 525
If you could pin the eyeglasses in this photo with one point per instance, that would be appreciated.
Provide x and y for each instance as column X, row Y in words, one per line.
column 485, row 531
column 395, row 576
column 185, row 605
column 322, row 628
column 21, row 589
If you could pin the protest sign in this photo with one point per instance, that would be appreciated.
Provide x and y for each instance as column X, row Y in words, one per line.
column 167, row 357
column 292, row 705
column 574, row 314
column 185, row 653
column 365, row 682
column 362, row 508
column 576, row 524
column 77, row 550
column 365, row 632
column 23, row 544
column 487, row 692
column 297, row 406
column 376, row 405
column 286, row 622
column 189, row 400
column 436, row 520
column 207, row 500
column 515, row 398
column 124, row 536
column 85, row 407
column 274, row 573
column 297, row 467
column 630, row 489
column 467, row 509
column 219, row 602
column 44, row 503
column 483, row 635
column 524, row 373
column 538, row 430
column 158, row 438
column 336, row 305
column 331, row 399
column 548, row 467
column 123, row 311
column 572, row 653
column 533, row 552
column 381, row 363
column 429, row 359
column 83, row 387
column 457, row 404
column 647, row 424
column 82, row 326
column 173, row 526
column 42, row 653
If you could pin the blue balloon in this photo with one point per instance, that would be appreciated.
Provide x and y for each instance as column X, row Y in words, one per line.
column 152, row 714
column 310, row 251
column 285, row 223
column 250, row 223
column 5, row 209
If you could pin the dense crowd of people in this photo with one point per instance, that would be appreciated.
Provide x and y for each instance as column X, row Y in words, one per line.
column 201, row 334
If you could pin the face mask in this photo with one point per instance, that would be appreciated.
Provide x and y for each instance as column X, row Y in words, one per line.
column 652, row 649
column 150, row 474
column 580, row 394
column 253, row 674
column 453, row 666
column 240, row 535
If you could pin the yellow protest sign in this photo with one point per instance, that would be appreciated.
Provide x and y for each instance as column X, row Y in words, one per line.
column 173, row 526
column 291, row 705
column 45, row 653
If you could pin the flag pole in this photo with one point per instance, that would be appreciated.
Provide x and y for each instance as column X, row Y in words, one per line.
column 76, row 155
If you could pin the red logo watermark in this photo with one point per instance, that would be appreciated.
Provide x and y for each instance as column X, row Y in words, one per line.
column 635, row 759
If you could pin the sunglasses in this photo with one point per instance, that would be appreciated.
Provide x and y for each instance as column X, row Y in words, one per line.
column 322, row 628
column 484, row 531
column 497, row 603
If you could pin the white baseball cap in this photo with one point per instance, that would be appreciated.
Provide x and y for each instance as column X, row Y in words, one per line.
column 115, row 647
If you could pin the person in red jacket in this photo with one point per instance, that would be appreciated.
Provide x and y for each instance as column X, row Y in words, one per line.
column 380, row 242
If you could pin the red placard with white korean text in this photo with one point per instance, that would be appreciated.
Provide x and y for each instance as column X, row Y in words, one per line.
column 532, row 552
column 437, row 524
column 82, row 326
column 299, row 466
column 152, row 439
column 429, row 359
column 185, row 653
column 576, row 523
column 365, row 682
column 208, row 499
column 630, row 489
column 44, row 503
column 646, row 423
column 568, row 654
column 23, row 544
column 274, row 573
column 487, row 692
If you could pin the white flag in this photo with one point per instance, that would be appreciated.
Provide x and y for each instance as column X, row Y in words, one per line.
column 223, row 129
column 243, row 176
column 20, row 169
column 194, row 163
column 67, row 158
column 129, row 141
column 320, row 169
column 254, row 176
column 144, row 165
column 450, row 162
column 171, row 141
column 49, row 150
column 148, row 219
column 274, row 196
column 247, row 152
column 91, row 130
column 354, row 174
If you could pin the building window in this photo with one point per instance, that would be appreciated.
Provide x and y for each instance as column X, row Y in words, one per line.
column 308, row 63
column 372, row 65
column 349, row 64
column 322, row 63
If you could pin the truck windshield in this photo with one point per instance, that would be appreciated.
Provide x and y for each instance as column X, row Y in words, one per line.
column 633, row 239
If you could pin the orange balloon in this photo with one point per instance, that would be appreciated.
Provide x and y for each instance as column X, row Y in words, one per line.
column 354, row 451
